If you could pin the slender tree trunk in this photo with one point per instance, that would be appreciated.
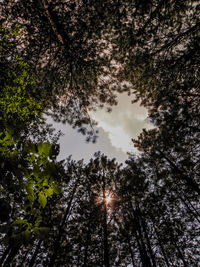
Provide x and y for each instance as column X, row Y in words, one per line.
column 173, row 241
column 88, row 238
column 160, row 244
column 143, row 223
column 139, row 238
column 125, row 233
column 60, row 228
column 79, row 254
column 194, row 211
column 11, row 256
column 146, row 260
column 143, row 253
column 131, row 251
column 105, row 230
column 23, row 262
column 6, row 252
column 86, row 247
column 51, row 22
column 181, row 255
column 35, row 254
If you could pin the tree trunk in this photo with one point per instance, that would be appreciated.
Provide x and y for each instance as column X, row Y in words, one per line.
column 11, row 256
column 85, row 264
column 23, row 262
column 60, row 228
column 35, row 254
column 194, row 211
column 6, row 252
column 143, row 223
column 131, row 251
column 139, row 237
column 181, row 255
column 105, row 230
column 160, row 244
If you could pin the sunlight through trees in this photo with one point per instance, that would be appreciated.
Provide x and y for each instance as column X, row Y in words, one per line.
column 65, row 59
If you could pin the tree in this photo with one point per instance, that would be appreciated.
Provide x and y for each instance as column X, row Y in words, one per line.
column 77, row 53
column 66, row 45
column 29, row 171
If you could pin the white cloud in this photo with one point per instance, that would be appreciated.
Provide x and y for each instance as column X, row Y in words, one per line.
column 115, row 132
column 118, row 137
column 126, row 121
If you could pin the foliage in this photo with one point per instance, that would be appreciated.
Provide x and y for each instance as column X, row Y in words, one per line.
column 64, row 55
column 29, row 172
column 69, row 56
column 15, row 97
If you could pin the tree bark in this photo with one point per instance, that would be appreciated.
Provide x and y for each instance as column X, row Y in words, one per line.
column 131, row 252
column 85, row 264
column 60, row 228
column 6, row 252
column 105, row 230
column 143, row 223
column 35, row 254
column 160, row 244
column 139, row 237
column 12, row 253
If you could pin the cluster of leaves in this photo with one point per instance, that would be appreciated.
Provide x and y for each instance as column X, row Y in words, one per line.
column 66, row 45
column 29, row 177
column 17, row 90
column 16, row 100
column 29, row 173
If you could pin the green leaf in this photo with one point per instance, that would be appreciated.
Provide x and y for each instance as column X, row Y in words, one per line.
column 29, row 188
column 45, row 183
column 56, row 188
column 32, row 158
column 37, row 223
column 44, row 149
column 30, row 148
column 42, row 199
column 8, row 141
column 20, row 221
column 36, row 172
column 30, row 199
column 49, row 192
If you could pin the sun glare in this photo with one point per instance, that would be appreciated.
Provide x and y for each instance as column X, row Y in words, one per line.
column 108, row 199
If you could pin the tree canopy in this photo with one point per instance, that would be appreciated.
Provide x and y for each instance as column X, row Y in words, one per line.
column 63, row 59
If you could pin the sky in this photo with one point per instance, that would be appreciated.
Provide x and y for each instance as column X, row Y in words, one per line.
column 116, row 129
